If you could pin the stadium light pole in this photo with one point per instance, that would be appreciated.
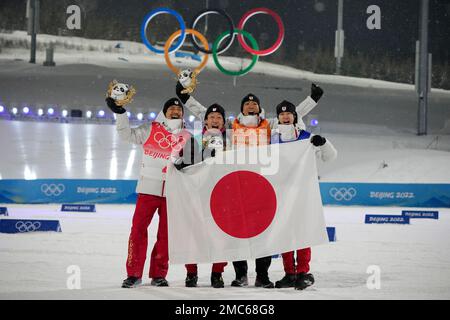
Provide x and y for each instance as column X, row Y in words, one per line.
column 32, row 27
column 423, row 68
column 339, row 38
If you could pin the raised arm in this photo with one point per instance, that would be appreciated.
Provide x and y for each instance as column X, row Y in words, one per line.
column 134, row 135
column 310, row 102
column 197, row 109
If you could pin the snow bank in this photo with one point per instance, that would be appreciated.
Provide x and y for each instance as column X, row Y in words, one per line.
column 35, row 265
column 105, row 52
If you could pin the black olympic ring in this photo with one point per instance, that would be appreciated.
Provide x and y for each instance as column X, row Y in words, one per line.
column 224, row 47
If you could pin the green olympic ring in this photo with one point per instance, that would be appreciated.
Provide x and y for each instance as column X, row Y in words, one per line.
column 254, row 57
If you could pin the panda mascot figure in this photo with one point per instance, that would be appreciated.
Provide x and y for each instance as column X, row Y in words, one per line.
column 121, row 93
column 188, row 80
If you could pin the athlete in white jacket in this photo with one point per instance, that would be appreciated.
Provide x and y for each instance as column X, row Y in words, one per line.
column 160, row 140
column 288, row 131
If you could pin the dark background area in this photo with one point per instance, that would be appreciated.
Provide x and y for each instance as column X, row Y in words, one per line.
column 387, row 54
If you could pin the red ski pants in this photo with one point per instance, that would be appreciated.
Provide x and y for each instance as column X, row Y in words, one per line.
column 302, row 265
column 146, row 207
column 216, row 267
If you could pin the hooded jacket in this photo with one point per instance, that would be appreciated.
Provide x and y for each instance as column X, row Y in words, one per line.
column 159, row 142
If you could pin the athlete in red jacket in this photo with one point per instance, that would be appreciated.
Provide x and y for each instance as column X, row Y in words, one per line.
column 159, row 140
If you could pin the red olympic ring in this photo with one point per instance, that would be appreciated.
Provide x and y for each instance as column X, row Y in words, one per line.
column 280, row 38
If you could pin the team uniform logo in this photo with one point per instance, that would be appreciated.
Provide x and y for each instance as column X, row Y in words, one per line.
column 172, row 142
column 162, row 144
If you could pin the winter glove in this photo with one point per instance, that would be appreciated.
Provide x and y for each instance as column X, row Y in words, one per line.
column 188, row 156
column 316, row 93
column 208, row 153
column 184, row 97
column 177, row 161
column 318, row 141
column 114, row 108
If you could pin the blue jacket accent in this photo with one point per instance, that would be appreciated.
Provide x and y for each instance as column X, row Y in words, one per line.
column 276, row 138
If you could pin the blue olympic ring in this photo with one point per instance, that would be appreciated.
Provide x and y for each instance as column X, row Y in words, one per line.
column 153, row 14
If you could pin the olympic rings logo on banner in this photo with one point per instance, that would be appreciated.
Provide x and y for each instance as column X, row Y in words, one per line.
column 28, row 226
column 219, row 46
column 172, row 142
column 343, row 193
column 52, row 189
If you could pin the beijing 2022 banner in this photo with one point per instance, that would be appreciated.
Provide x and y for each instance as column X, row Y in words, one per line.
column 123, row 191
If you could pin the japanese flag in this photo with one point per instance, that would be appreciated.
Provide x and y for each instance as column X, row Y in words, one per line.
column 226, row 209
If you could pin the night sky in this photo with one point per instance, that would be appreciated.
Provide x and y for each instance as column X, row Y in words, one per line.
column 309, row 23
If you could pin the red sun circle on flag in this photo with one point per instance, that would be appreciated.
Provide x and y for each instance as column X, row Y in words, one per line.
column 243, row 204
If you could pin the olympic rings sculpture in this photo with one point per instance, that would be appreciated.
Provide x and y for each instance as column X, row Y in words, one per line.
column 219, row 46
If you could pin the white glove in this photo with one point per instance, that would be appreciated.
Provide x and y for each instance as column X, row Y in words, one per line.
column 176, row 159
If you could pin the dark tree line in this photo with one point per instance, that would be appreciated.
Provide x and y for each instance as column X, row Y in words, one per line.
column 386, row 54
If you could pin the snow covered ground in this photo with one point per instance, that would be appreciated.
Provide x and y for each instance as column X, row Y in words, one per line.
column 414, row 260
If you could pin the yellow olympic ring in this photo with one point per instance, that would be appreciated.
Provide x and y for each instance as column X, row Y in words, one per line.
column 177, row 34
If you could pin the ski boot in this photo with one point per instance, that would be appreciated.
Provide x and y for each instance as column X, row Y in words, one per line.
column 303, row 281
column 191, row 280
column 240, row 281
column 288, row 281
column 263, row 282
column 131, row 282
column 159, row 282
column 217, row 280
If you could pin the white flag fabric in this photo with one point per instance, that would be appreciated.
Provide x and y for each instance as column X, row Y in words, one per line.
column 234, row 211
